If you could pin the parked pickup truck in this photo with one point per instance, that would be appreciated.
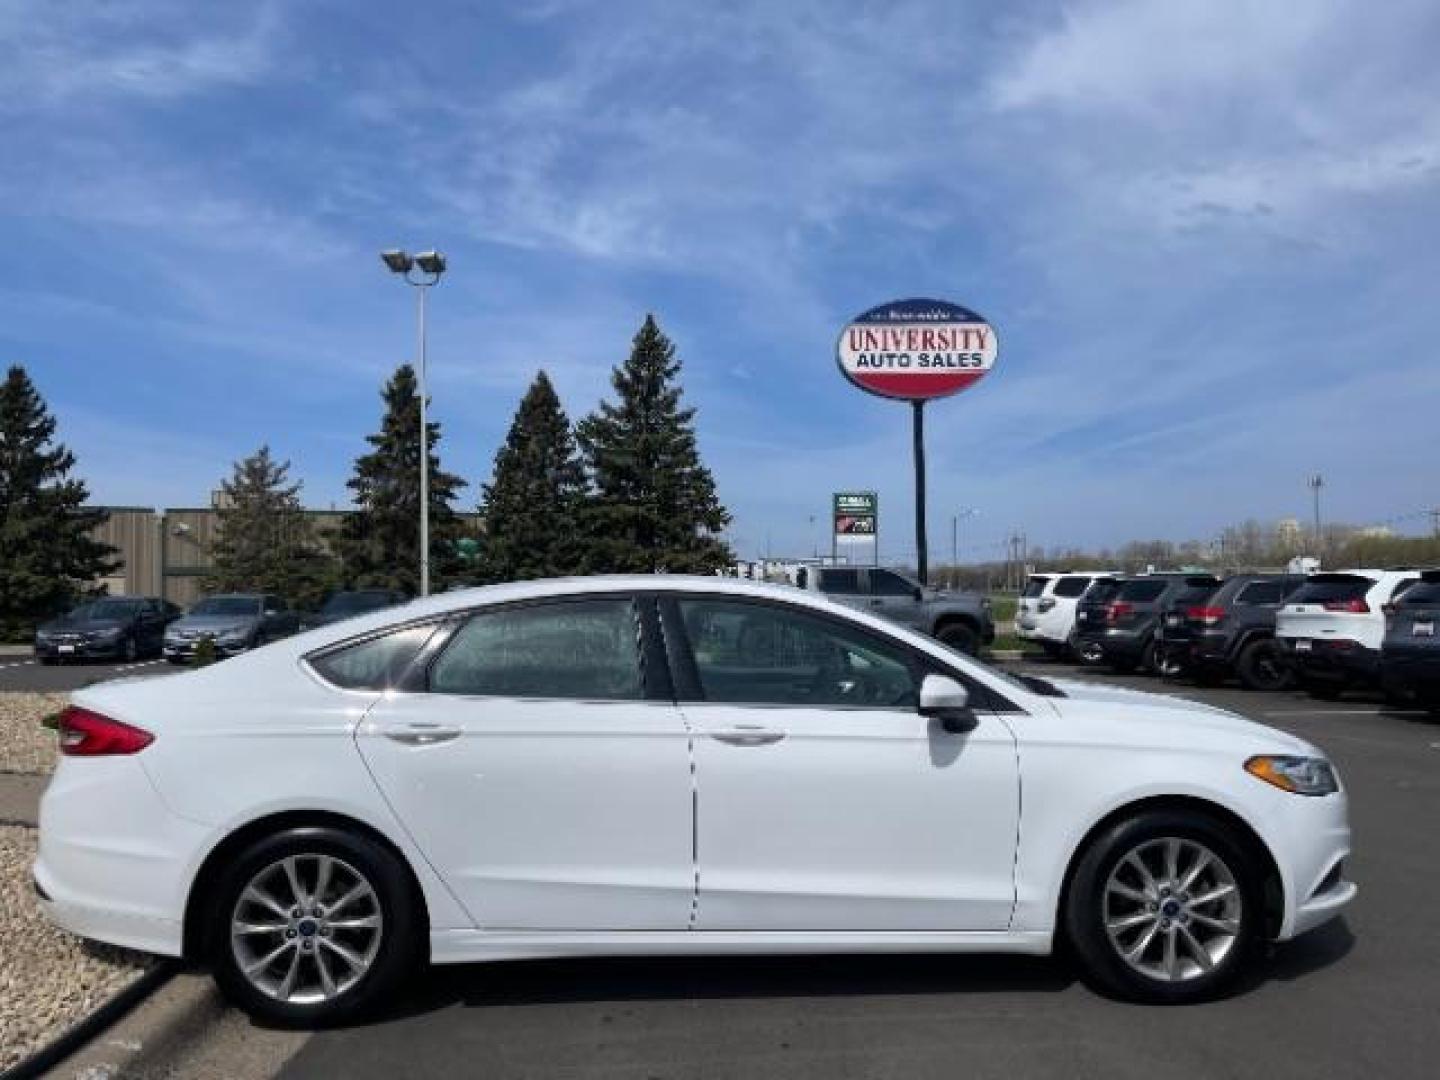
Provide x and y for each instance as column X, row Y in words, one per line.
column 960, row 619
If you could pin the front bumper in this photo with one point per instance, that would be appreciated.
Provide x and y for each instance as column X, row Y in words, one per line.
column 1332, row 660
column 182, row 652
column 79, row 650
column 1310, row 838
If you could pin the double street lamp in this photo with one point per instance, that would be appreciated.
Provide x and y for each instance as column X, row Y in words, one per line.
column 422, row 271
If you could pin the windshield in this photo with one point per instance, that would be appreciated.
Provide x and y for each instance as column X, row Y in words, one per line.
column 110, row 609
column 352, row 603
column 228, row 605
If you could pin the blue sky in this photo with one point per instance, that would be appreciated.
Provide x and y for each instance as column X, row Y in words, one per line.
column 1206, row 231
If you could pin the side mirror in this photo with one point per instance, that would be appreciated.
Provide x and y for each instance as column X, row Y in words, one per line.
column 944, row 699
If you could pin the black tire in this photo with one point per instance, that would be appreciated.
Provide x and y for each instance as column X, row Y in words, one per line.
column 959, row 636
column 130, row 651
column 1089, row 653
column 47, row 661
column 394, row 959
column 1261, row 666
column 1083, row 917
column 1054, row 650
column 1324, row 689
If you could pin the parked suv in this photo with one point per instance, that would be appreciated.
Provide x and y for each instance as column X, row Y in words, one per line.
column 1127, row 637
column 1090, row 616
column 960, row 619
column 1233, row 630
column 235, row 622
column 1410, row 655
column 118, row 627
column 1047, row 610
column 1332, row 627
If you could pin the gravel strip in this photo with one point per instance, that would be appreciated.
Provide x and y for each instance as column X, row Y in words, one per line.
column 25, row 745
column 48, row 979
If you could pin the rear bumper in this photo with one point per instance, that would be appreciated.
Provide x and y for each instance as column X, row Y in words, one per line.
column 114, row 861
column 1325, row 662
column 1415, row 672
column 1116, row 644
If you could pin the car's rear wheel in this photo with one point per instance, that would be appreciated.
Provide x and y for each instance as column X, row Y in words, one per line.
column 1165, row 907
column 312, row 926
column 1261, row 666
column 959, row 636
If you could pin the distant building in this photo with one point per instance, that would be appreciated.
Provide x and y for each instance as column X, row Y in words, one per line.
column 1288, row 533
column 167, row 552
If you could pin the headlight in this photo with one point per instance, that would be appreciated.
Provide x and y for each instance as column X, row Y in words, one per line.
column 1297, row 775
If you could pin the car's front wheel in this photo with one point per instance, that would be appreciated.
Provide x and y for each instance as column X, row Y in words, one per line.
column 1165, row 907
column 313, row 926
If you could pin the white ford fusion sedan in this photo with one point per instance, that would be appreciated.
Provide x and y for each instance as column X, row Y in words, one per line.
column 661, row 765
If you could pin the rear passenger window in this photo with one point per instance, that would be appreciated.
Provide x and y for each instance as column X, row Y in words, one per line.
column 1332, row 589
column 1260, row 592
column 581, row 649
column 840, row 582
column 374, row 664
column 1070, row 587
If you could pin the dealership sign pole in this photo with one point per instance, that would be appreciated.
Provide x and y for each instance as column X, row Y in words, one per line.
column 917, row 350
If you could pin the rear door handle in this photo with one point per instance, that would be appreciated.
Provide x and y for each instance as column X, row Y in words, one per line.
column 747, row 735
column 419, row 733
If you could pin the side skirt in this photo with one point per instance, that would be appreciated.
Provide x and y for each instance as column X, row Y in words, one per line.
column 472, row 946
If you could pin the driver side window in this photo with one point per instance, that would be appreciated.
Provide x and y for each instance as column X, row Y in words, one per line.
column 765, row 654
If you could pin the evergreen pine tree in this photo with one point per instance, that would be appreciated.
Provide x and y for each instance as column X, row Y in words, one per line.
column 531, row 505
column 654, row 506
column 264, row 542
column 49, row 556
column 379, row 544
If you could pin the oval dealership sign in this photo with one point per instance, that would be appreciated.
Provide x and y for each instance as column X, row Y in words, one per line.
column 914, row 350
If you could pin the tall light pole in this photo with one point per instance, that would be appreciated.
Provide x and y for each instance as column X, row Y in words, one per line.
column 1315, row 483
column 430, row 265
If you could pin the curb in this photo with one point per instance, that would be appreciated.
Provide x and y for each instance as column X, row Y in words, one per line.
column 99, row 1018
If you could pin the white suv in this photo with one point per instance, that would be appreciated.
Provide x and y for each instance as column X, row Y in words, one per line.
column 1332, row 627
column 1045, row 614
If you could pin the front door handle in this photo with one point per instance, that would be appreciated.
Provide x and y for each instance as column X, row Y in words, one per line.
column 421, row 734
column 747, row 735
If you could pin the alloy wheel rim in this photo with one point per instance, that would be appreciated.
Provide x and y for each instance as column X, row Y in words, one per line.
column 306, row 929
column 1172, row 909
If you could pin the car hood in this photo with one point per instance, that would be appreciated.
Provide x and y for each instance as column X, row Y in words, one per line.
column 68, row 625
column 214, row 624
column 1162, row 718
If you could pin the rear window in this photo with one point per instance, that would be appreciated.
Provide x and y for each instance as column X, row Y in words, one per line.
column 840, row 582
column 1101, row 590
column 1035, row 586
column 1261, row 592
column 1142, row 591
column 1195, row 594
column 375, row 663
column 1329, row 588
column 1071, row 587
column 1424, row 594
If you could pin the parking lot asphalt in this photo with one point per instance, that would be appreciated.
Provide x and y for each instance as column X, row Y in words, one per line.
column 25, row 673
column 1356, row 998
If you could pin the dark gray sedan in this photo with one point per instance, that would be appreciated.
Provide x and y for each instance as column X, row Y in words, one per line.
column 116, row 628
column 235, row 622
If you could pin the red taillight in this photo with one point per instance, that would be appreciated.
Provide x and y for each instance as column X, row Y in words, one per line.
column 1118, row 609
column 1355, row 607
column 89, row 734
column 1209, row 616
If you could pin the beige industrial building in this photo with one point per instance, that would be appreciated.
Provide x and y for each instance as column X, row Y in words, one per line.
column 167, row 552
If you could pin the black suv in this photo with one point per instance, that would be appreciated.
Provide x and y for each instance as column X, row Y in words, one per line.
column 1232, row 630
column 1127, row 637
column 1090, row 615
column 1410, row 656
